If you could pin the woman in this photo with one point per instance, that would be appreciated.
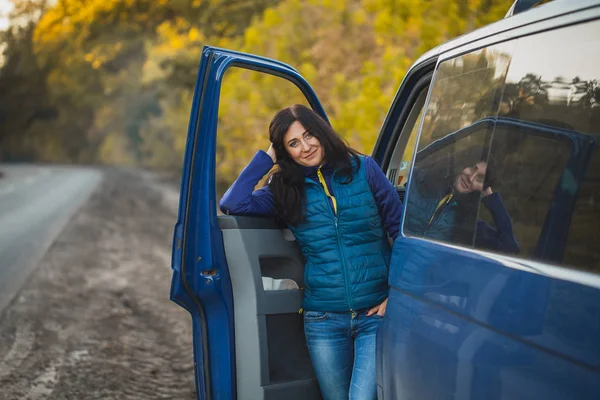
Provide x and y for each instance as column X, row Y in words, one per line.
column 446, row 207
column 338, row 205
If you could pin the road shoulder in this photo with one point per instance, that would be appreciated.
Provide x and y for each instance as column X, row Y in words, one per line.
column 94, row 321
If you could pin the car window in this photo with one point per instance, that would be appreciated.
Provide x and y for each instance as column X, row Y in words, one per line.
column 582, row 248
column 551, row 185
column 528, row 164
column 508, row 155
column 244, row 117
column 402, row 156
column 456, row 133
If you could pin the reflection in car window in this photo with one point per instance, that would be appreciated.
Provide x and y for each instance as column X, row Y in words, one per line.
column 449, row 175
column 456, row 99
column 529, row 161
column 530, row 119
column 558, row 89
column 582, row 247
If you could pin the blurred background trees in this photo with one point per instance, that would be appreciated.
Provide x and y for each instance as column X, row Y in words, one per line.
column 111, row 81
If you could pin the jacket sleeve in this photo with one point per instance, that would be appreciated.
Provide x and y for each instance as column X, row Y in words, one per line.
column 242, row 199
column 502, row 237
column 386, row 197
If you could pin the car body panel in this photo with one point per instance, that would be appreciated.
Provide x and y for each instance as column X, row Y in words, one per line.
column 464, row 323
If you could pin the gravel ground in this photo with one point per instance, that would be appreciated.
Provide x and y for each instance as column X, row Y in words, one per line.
column 95, row 321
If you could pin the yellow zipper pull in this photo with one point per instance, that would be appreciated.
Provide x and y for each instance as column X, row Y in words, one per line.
column 324, row 184
column 301, row 310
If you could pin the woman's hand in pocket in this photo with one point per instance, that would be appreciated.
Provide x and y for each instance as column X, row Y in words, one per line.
column 378, row 309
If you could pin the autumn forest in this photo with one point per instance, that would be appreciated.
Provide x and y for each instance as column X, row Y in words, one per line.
column 111, row 81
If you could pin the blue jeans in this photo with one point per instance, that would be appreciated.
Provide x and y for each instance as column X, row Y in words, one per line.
column 342, row 351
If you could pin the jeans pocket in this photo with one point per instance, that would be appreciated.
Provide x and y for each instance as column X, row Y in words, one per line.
column 314, row 315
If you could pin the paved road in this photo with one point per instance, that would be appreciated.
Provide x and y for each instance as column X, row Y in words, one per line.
column 35, row 204
column 94, row 320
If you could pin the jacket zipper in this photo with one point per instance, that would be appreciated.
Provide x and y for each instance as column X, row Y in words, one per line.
column 438, row 211
column 344, row 266
column 337, row 231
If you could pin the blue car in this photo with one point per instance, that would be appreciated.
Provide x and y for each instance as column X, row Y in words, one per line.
column 494, row 296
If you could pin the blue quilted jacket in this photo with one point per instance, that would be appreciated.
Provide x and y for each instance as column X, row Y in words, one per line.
column 347, row 252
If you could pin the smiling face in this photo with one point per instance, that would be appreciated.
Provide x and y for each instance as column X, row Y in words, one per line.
column 471, row 178
column 304, row 148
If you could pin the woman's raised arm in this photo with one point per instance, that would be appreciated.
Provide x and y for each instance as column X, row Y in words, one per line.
column 502, row 237
column 242, row 199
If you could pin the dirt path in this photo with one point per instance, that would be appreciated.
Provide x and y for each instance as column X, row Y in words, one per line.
column 95, row 321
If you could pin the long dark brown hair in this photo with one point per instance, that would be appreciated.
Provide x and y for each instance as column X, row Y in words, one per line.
column 287, row 183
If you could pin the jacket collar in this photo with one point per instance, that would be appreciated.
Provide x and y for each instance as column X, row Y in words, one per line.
column 312, row 171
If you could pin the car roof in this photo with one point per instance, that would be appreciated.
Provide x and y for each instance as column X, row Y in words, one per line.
column 547, row 11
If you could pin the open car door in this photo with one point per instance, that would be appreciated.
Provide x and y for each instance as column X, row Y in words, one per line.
column 219, row 261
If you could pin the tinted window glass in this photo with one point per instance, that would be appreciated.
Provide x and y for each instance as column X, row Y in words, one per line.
column 521, row 140
column 553, row 191
column 528, row 163
column 444, row 190
column 583, row 244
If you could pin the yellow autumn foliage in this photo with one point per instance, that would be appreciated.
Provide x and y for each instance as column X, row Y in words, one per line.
column 120, row 73
column 354, row 53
